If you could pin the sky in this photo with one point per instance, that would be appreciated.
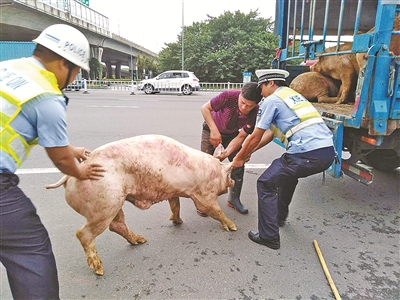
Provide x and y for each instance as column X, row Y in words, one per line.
column 152, row 23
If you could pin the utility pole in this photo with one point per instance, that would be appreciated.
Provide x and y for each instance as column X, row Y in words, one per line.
column 183, row 43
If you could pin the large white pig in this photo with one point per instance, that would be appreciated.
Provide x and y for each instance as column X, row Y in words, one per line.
column 144, row 170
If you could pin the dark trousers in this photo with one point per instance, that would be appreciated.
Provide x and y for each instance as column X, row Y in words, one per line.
column 275, row 187
column 25, row 248
column 207, row 147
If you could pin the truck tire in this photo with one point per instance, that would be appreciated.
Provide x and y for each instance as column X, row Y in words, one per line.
column 382, row 159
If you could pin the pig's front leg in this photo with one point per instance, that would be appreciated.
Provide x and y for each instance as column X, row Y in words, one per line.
column 210, row 207
column 119, row 226
column 218, row 214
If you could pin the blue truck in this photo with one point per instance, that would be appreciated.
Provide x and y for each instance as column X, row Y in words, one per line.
column 366, row 131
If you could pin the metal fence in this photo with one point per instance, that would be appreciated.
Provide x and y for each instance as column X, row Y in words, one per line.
column 132, row 86
column 72, row 8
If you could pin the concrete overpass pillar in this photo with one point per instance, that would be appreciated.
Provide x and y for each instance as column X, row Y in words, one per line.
column 97, row 52
column 118, row 70
column 109, row 69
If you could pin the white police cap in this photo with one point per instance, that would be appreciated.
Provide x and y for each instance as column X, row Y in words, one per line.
column 265, row 75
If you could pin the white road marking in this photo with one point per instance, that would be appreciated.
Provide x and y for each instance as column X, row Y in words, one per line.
column 37, row 171
column 113, row 106
column 256, row 166
column 55, row 170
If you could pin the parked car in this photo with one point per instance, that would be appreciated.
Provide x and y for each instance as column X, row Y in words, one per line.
column 184, row 82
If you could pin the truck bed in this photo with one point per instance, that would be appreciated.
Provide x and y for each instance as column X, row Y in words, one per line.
column 336, row 109
column 344, row 112
column 341, row 112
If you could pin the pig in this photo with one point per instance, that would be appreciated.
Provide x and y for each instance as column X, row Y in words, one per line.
column 316, row 87
column 394, row 47
column 144, row 170
column 346, row 67
column 342, row 67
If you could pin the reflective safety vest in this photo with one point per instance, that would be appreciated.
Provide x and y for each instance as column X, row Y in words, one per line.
column 303, row 109
column 20, row 81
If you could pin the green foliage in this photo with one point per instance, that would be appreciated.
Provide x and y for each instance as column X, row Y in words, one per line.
column 220, row 48
column 293, row 51
column 145, row 65
column 96, row 68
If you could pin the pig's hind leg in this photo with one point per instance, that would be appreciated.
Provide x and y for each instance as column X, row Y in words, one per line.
column 119, row 226
column 175, row 207
column 327, row 99
column 86, row 235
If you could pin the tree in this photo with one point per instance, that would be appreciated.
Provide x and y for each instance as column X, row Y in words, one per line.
column 96, row 68
column 220, row 48
column 145, row 65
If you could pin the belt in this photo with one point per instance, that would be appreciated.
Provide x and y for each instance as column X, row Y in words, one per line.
column 8, row 181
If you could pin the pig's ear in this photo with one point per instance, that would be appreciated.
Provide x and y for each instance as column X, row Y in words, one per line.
column 227, row 167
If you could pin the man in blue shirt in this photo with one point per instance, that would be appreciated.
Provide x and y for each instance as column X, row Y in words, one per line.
column 287, row 115
column 33, row 111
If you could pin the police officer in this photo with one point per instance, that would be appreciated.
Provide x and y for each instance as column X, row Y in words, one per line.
column 33, row 112
column 287, row 115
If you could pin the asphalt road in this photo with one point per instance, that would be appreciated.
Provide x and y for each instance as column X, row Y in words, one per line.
column 356, row 227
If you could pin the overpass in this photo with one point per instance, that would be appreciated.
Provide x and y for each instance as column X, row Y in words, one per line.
column 23, row 20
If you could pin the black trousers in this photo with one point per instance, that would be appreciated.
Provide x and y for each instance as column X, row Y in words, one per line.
column 25, row 248
column 275, row 187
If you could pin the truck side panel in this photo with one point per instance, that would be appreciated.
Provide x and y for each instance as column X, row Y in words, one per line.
column 371, row 124
column 13, row 50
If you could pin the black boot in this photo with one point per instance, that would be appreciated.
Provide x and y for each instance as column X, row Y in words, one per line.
column 234, row 193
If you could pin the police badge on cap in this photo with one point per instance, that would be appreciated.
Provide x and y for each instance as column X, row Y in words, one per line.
column 265, row 75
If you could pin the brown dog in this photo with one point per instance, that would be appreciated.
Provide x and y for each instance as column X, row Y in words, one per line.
column 144, row 170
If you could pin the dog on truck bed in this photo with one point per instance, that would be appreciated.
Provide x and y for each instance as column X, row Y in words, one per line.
column 144, row 170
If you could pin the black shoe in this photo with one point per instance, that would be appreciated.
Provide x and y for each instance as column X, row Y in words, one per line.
column 255, row 237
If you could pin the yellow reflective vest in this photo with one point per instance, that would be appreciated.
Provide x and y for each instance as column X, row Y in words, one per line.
column 20, row 81
column 303, row 109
